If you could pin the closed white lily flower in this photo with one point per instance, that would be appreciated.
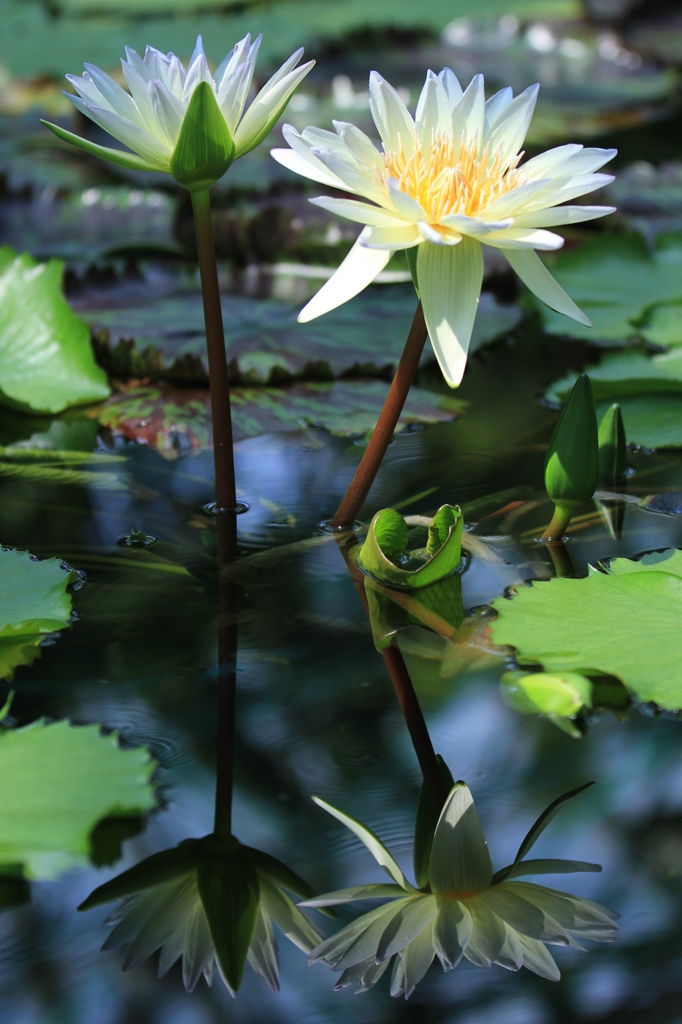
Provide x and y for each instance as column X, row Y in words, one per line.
column 447, row 182
column 206, row 901
column 463, row 910
column 150, row 118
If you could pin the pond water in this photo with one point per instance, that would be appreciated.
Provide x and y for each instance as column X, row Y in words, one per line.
column 121, row 494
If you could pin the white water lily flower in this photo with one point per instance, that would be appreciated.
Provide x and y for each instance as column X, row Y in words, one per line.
column 447, row 182
column 464, row 910
column 149, row 118
column 207, row 901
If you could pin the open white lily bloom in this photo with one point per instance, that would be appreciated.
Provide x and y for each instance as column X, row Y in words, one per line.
column 149, row 119
column 206, row 901
column 464, row 910
column 447, row 182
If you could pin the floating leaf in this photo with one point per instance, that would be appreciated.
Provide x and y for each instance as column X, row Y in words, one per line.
column 623, row 623
column 33, row 602
column 46, row 362
column 615, row 279
column 64, row 780
column 176, row 419
column 384, row 557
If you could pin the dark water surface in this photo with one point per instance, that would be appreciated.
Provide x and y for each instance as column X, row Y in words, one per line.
column 317, row 714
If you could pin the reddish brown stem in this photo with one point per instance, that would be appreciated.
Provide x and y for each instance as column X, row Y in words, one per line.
column 225, row 490
column 361, row 483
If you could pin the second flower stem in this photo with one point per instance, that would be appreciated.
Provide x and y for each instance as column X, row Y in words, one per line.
column 354, row 497
column 225, row 489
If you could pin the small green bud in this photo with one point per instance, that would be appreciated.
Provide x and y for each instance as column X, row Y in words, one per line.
column 205, row 148
column 612, row 446
column 572, row 463
column 385, row 558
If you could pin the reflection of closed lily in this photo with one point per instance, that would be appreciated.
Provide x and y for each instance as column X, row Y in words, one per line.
column 443, row 184
column 208, row 901
column 185, row 121
column 462, row 910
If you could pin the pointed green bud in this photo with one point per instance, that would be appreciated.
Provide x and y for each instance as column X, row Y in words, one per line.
column 425, row 826
column 205, row 147
column 572, row 463
column 612, row 446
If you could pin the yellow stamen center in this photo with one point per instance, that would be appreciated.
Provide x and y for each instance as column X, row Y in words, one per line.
column 450, row 181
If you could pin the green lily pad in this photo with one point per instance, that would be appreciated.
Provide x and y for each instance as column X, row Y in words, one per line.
column 33, row 602
column 623, row 622
column 64, row 780
column 46, row 362
column 385, row 557
column 615, row 280
column 266, row 345
column 176, row 419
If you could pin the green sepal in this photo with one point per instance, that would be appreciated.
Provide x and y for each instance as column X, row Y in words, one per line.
column 383, row 546
column 161, row 867
column 572, row 462
column 425, row 826
column 114, row 156
column 229, row 891
column 411, row 257
column 205, row 147
column 612, row 446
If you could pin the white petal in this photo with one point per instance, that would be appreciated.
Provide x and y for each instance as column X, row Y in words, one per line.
column 433, row 113
column 514, row 202
column 138, row 86
column 355, row 178
column 565, row 190
column 444, row 237
column 266, row 109
column 335, row 948
column 371, row 977
column 417, row 959
column 366, row 944
column 198, row 947
column 588, row 160
column 408, row 208
column 232, row 95
column 117, row 98
column 495, row 106
column 469, row 114
column 288, row 918
column 157, row 64
column 364, row 834
column 398, row 978
column 491, row 941
column 358, row 270
column 87, row 90
column 285, row 69
column 512, row 125
column 524, row 238
column 450, row 284
column 416, row 915
column 234, row 59
column 303, row 149
column 391, row 116
column 199, row 53
column 580, row 917
column 545, row 164
column 452, row 87
column 361, row 213
column 472, row 226
column 451, row 932
column 171, row 951
column 392, row 238
column 535, row 275
column 373, row 891
column 137, row 64
column 196, row 73
column 262, row 954
column 556, row 215
column 176, row 78
column 320, row 138
column 130, row 135
column 170, row 913
column 361, row 147
column 538, row 959
column 460, row 861
column 305, row 166
column 523, row 916
column 169, row 113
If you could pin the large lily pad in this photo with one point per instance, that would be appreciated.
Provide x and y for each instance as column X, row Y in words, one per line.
column 266, row 345
column 623, row 622
column 46, row 361
column 60, row 781
column 174, row 419
column 615, row 280
column 34, row 601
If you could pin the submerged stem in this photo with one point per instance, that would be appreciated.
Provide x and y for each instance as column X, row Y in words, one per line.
column 225, row 490
column 560, row 520
column 388, row 419
column 227, row 674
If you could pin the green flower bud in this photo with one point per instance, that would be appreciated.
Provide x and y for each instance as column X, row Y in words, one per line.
column 612, row 446
column 205, row 148
column 572, row 463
